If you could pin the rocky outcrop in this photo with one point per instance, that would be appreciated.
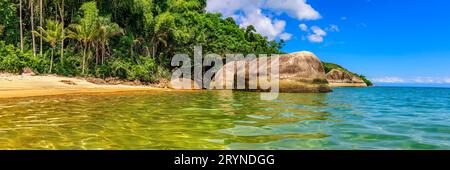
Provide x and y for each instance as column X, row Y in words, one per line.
column 300, row 72
column 28, row 72
column 339, row 78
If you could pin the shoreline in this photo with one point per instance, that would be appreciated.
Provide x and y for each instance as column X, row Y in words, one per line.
column 348, row 85
column 21, row 86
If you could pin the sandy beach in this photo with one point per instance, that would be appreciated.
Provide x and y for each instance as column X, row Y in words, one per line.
column 14, row 86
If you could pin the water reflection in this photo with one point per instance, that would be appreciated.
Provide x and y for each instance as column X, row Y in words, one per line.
column 220, row 120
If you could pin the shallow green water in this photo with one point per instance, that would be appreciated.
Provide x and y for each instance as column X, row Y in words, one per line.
column 348, row 118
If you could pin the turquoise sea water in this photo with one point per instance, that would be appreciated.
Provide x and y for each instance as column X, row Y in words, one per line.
column 348, row 118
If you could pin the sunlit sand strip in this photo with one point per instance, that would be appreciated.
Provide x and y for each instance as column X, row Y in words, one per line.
column 14, row 86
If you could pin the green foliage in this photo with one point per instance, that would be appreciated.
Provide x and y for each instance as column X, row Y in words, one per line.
column 129, row 39
column 144, row 72
column 147, row 71
column 52, row 34
column 14, row 61
column 330, row 66
column 70, row 66
column 9, row 31
column 93, row 32
column 367, row 81
column 38, row 64
column 11, row 59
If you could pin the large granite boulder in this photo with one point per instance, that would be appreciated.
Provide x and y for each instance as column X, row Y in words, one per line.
column 300, row 72
column 339, row 78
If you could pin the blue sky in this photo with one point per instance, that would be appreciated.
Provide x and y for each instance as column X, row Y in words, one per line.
column 389, row 41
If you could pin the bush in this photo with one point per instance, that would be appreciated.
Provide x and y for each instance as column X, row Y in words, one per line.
column 71, row 66
column 145, row 71
column 118, row 68
column 14, row 61
column 367, row 81
column 39, row 64
column 10, row 58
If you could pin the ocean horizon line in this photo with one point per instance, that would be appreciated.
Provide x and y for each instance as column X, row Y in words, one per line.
column 417, row 85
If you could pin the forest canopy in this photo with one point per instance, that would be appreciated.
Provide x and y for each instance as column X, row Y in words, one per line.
column 129, row 39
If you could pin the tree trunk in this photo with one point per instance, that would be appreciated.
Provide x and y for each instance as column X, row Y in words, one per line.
column 103, row 53
column 97, row 55
column 62, row 31
column 41, row 20
column 32, row 26
column 131, row 50
column 154, row 49
column 84, row 59
column 51, row 60
column 21, row 25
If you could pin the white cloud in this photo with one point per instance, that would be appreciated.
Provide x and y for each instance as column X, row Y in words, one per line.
column 431, row 80
column 295, row 8
column 228, row 8
column 333, row 28
column 317, row 34
column 447, row 80
column 318, row 31
column 259, row 13
column 424, row 80
column 303, row 27
column 315, row 38
column 263, row 24
column 285, row 36
column 419, row 80
column 388, row 80
column 363, row 24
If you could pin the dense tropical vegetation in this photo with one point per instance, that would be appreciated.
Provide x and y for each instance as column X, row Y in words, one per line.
column 129, row 39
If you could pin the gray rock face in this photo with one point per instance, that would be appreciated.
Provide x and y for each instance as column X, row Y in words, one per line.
column 300, row 72
column 339, row 78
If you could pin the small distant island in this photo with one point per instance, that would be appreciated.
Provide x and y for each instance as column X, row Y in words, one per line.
column 341, row 77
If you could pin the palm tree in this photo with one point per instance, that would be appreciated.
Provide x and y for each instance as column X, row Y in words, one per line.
column 93, row 31
column 132, row 41
column 51, row 35
column 163, row 28
column 86, row 31
column 107, row 29
column 85, row 34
